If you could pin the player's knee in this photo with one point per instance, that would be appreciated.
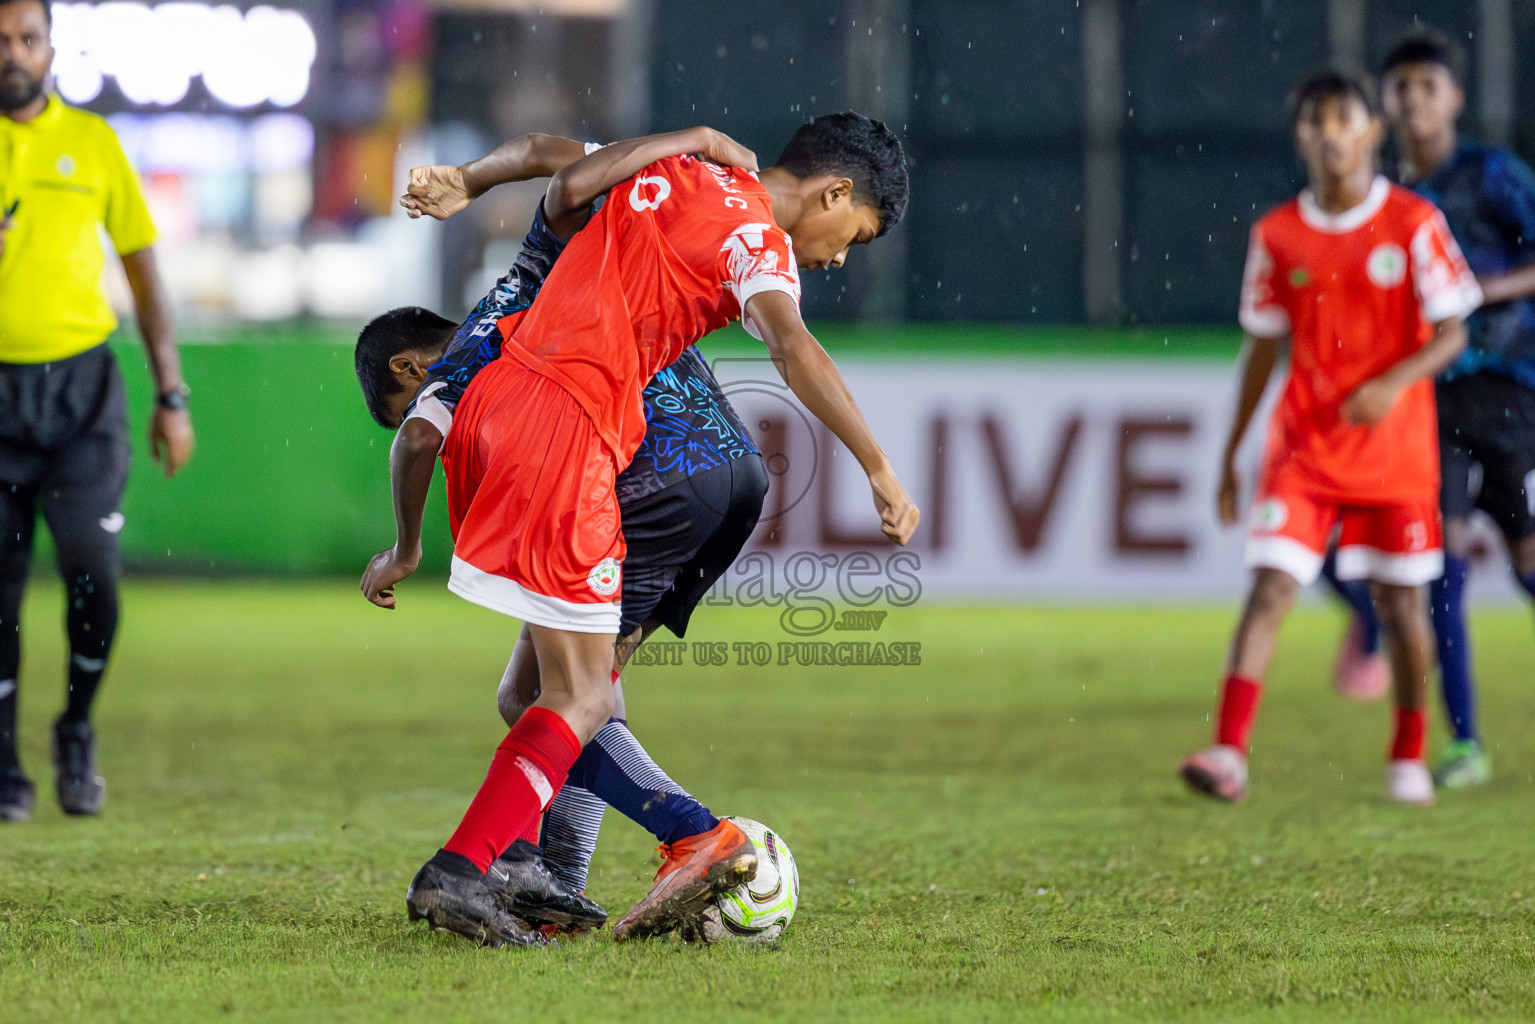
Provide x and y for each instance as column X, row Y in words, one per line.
column 1401, row 609
column 1273, row 593
column 508, row 704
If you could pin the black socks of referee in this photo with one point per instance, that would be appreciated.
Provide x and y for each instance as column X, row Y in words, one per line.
column 91, row 623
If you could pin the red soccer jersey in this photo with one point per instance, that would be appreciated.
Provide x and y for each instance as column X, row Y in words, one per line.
column 1356, row 293
column 674, row 253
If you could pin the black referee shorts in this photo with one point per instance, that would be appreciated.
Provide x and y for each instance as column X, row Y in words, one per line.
column 64, row 450
column 683, row 538
column 1487, row 422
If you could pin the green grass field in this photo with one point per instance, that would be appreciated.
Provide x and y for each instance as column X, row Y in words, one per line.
column 995, row 835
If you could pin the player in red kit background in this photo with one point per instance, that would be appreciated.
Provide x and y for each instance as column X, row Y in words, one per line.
column 1366, row 281
column 680, row 249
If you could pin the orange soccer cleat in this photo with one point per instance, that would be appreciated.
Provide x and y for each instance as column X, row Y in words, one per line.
column 696, row 870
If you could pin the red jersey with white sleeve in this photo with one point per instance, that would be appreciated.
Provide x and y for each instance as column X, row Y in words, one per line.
column 674, row 253
column 1355, row 292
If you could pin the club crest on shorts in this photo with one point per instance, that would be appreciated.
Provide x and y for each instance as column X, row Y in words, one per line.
column 1387, row 265
column 1270, row 514
column 604, row 577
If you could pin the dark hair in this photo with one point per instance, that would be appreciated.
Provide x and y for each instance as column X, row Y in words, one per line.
column 1427, row 47
column 47, row 8
column 860, row 149
column 1329, row 84
column 385, row 337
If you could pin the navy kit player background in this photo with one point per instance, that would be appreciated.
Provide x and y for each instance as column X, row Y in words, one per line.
column 1488, row 198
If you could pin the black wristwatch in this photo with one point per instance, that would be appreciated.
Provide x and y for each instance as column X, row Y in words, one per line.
column 175, row 400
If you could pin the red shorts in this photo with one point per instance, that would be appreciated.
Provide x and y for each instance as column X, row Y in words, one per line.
column 1397, row 544
column 536, row 527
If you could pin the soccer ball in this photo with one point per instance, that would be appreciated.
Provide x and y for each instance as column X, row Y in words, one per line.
column 761, row 909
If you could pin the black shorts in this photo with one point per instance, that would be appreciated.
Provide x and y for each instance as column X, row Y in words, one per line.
column 683, row 538
column 64, row 449
column 1487, row 430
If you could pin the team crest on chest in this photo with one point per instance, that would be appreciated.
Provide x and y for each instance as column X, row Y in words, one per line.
column 1387, row 265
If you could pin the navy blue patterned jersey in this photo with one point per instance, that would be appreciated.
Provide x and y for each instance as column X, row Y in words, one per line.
column 689, row 427
column 1488, row 198
column 689, row 424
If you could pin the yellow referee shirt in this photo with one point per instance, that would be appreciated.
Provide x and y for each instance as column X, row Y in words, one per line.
column 71, row 176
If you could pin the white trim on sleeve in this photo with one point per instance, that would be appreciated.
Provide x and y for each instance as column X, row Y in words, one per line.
column 1271, row 322
column 432, row 409
column 509, row 597
column 592, row 147
column 1456, row 302
column 759, row 285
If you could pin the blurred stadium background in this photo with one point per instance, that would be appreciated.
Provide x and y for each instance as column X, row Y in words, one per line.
column 1084, row 174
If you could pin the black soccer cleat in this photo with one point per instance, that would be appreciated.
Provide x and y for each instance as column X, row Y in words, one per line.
column 17, row 796
column 526, row 887
column 81, row 790
column 465, row 905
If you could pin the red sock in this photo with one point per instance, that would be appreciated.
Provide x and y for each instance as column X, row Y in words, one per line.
column 529, row 768
column 1238, row 708
column 1411, row 732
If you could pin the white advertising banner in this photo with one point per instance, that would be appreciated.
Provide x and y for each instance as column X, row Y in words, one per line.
column 1089, row 480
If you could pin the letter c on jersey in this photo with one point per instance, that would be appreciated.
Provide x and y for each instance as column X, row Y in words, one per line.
column 637, row 198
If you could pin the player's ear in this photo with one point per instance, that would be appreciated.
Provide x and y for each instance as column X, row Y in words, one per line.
column 838, row 190
column 406, row 367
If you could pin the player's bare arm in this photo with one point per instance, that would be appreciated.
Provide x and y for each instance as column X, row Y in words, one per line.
column 1373, row 399
column 1516, row 284
column 441, row 190
column 411, row 460
column 567, row 205
column 815, row 381
column 1259, row 357
column 170, row 430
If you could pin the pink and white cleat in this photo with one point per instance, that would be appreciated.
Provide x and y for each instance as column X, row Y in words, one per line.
column 1219, row 771
column 1409, row 782
column 1357, row 675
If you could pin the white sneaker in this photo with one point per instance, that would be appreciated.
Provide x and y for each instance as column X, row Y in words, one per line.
column 1219, row 771
column 1409, row 782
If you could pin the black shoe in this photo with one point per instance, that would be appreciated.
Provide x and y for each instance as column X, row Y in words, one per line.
column 17, row 796
column 527, row 888
column 81, row 790
column 465, row 905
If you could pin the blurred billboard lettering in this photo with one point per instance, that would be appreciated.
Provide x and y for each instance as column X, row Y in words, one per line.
column 1038, row 478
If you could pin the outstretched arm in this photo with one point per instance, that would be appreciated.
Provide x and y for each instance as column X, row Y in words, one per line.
column 814, row 379
column 441, row 190
column 1259, row 355
column 411, row 458
column 567, row 205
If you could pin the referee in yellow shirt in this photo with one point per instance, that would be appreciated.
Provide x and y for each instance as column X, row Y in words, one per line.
column 63, row 419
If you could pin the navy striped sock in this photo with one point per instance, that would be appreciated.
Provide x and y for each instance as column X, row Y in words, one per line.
column 569, row 837
column 616, row 768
